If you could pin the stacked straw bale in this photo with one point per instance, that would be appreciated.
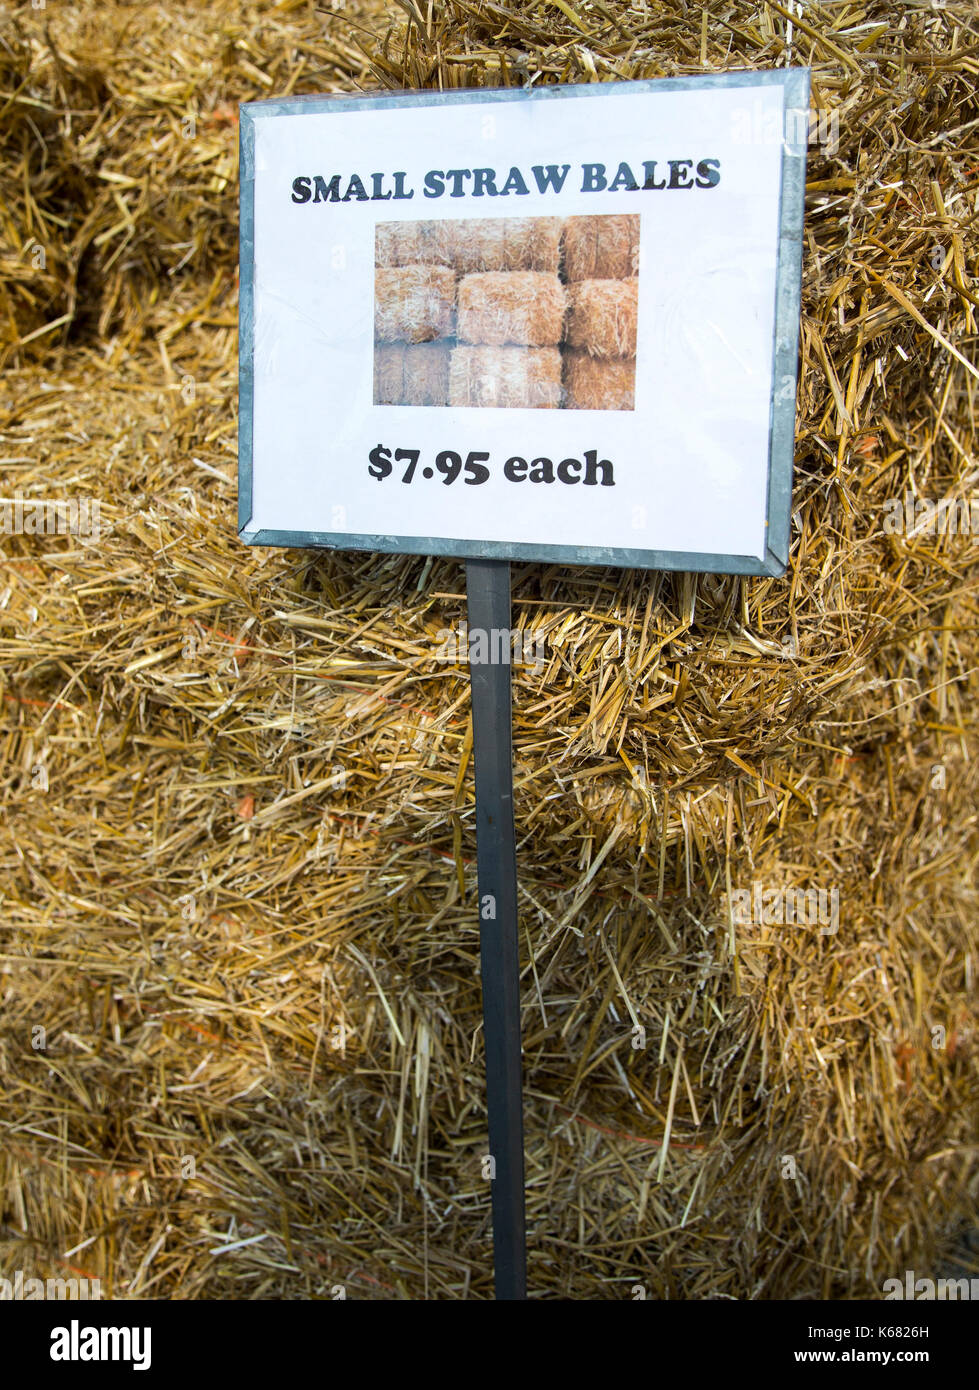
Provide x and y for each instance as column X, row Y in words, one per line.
column 412, row 243
column 244, row 908
column 414, row 303
column 601, row 247
column 516, row 377
column 411, row 374
column 519, row 307
column 601, row 260
column 537, row 312
column 504, row 243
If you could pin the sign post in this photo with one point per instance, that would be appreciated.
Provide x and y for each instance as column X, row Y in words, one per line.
column 488, row 600
column 555, row 324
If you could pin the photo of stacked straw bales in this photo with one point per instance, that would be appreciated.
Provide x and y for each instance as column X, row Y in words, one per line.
column 519, row 312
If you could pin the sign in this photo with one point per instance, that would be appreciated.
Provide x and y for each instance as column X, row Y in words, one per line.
column 556, row 324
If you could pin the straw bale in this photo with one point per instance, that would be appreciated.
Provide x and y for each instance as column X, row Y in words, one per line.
column 602, row 317
column 532, row 243
column 475, row 244
column 427, row 374
column 411, row 243
column 389, row 373
column 505, row 376
column 413, row 303
column 411, row 374
column 593, row 383
column 519, row 307
column 397, row 244
column 601, row 247
column 245, row 908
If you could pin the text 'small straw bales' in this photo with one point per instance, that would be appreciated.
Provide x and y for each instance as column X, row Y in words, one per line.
column 523, row 312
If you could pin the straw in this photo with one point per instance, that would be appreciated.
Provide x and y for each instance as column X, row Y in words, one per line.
column 602, row 247
column 244, row 910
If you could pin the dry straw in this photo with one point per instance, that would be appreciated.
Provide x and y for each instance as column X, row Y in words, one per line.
column 410, row 243
column 244, row 909
column 503, row 243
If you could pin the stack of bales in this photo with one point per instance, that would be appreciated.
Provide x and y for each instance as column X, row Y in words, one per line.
column 469, row 312
column 601, row 259
column 517, row 311
column 511, row 312
column 414, row 314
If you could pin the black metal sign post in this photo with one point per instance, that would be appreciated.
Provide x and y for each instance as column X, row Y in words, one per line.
column 488, row 603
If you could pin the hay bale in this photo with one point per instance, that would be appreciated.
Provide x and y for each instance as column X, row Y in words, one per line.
column 594, row 383
column 411, row 374
column 410, row 243
column 532, row 243
column 517, row 377
column 520, row 307
column 397, row 244
column 604, row 246
column 473, row 244
column 426, row 374
column 602, row 317
column 413, row 303
column 389, row 373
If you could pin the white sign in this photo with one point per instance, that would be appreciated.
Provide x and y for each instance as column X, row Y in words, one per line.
column 556, row 324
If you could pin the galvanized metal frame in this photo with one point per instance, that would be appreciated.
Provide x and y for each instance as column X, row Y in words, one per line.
column 795, row 82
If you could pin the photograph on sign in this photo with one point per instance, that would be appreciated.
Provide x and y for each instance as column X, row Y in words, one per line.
column 557, row 324
column 518, row 312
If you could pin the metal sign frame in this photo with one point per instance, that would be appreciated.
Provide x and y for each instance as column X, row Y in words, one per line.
column 795, row 82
